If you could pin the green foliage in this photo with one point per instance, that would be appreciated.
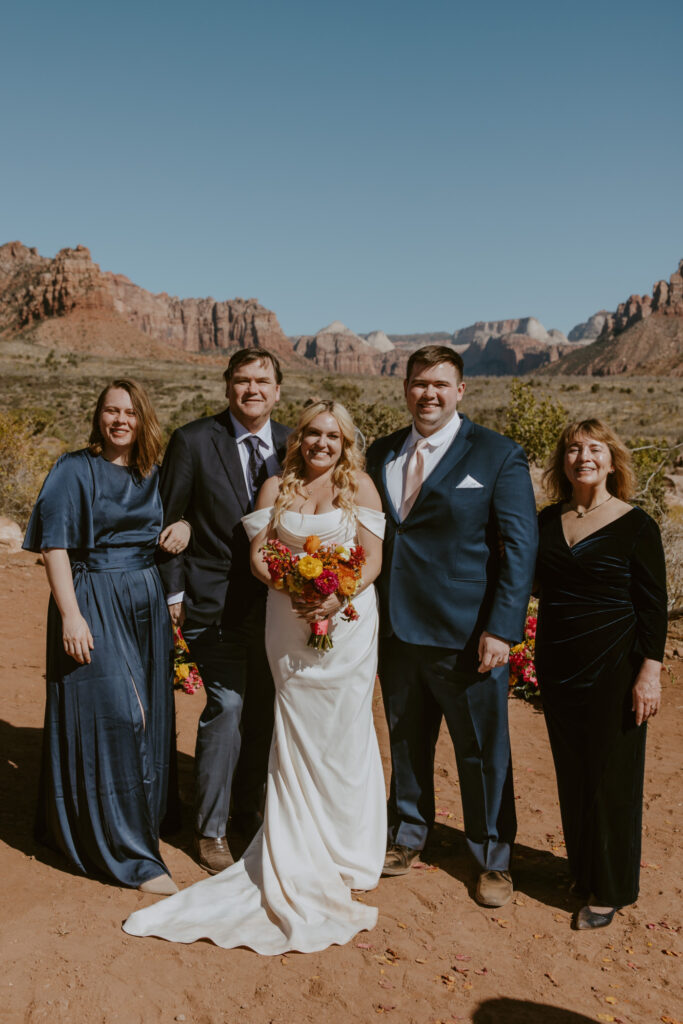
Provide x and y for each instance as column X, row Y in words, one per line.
column 533, row 424
column 23, row 465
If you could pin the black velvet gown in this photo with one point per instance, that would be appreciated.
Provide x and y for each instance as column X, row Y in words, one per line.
column 108, row 725
column 602, row 610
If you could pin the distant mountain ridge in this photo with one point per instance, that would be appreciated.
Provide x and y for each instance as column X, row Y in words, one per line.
column 68, row 301
column 643, row 336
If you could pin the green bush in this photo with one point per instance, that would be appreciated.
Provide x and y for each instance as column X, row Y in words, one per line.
column 533, row 424
column 23, row 465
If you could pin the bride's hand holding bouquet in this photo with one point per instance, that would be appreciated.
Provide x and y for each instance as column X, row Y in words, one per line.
column 322, row 472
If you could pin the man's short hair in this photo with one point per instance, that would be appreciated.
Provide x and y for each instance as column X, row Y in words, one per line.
column 252, row 355
column 430, row 355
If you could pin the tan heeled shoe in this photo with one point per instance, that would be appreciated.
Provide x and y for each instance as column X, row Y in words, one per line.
column 162, row 885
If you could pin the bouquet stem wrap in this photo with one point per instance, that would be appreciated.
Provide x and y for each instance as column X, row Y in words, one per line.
column 320, row 638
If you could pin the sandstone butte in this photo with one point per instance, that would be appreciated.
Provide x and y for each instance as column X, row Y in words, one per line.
column 88, row 308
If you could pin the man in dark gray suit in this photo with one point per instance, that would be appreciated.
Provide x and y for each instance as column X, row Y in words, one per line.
column 211, row 473
column 458, row 560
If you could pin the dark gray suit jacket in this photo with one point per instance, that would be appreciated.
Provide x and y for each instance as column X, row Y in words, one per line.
column 202, row 481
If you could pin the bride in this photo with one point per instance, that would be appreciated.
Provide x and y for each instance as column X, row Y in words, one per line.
column 324, row 829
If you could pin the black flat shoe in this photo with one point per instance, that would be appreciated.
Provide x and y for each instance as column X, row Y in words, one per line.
column 586, row 919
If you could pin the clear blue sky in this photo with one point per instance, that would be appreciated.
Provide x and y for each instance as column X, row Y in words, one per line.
column 403, row 166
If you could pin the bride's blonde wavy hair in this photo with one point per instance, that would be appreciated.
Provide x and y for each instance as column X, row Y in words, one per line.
column 345, row 476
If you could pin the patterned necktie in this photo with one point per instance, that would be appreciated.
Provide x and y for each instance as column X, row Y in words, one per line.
column 415, row 474
column 257, row 464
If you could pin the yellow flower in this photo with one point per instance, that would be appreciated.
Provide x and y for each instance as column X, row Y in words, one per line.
column 183, row 671
column 294, row 583
column 347, row 586
column 342, row 552
column 310, row 568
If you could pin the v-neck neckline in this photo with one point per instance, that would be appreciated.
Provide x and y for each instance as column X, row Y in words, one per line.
column 593, row 533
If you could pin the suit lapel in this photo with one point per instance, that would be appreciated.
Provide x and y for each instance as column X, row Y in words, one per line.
column 459, row 447
column 392, row 453
column 280, row 435
column 226, row 446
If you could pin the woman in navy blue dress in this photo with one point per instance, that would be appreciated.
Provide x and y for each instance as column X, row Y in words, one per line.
column 109, row 709
column 601, row 632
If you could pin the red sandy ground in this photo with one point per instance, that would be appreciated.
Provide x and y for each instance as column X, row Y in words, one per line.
column 434, row 955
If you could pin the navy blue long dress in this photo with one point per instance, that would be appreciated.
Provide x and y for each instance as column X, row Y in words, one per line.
column 602, row 610
column 107, row 736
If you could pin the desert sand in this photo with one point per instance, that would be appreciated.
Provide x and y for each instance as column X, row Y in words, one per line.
column 435, row 956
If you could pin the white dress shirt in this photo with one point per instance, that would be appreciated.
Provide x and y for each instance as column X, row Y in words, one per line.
column 435, row 449
column 267, row 450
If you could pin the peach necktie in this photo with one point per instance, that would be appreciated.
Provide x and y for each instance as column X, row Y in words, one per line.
column 415, row 474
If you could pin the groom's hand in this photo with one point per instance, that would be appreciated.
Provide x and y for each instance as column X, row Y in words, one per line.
column 492, row 652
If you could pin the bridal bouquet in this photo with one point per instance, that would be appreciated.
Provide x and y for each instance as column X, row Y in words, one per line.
column 523, row 681
column 185, row 673
column 324, row 569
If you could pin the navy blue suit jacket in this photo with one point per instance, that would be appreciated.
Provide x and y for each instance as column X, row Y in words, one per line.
column 202, row 481
column 463, row 559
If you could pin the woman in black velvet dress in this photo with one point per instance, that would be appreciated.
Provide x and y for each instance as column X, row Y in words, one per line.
column 600, row 641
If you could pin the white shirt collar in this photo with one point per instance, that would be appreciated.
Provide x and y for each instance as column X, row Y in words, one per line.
column 443, row 436
column 265, row 434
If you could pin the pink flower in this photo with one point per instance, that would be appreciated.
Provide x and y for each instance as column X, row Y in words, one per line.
column 326, row 583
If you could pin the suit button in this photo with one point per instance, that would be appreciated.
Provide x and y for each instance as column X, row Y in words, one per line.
column 400, row 529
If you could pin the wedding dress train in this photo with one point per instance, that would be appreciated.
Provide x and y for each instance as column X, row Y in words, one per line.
column 324, row 830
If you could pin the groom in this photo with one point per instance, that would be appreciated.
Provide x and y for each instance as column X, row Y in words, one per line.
column 211, row 472
column 458, row 563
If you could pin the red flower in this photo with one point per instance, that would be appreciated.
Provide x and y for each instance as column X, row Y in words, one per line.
column 326, row 583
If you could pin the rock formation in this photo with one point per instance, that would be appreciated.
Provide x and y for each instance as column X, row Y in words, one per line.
column 590, row 329
column 511, row 353
column 34, row 289
column 528, row 326
column 379, row 341
column 337, row 349
column 643, row 336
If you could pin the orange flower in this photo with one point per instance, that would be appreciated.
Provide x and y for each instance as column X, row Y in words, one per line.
column 312, row 544
column 347, row 585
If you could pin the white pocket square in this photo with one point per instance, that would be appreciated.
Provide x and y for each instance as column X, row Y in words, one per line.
column 469, row 481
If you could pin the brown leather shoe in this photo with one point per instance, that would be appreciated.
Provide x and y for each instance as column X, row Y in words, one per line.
column 398, row 860
column 213, row 854
column 494, row 888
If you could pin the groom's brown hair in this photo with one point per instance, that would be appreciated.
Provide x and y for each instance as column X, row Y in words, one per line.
column 430, row 355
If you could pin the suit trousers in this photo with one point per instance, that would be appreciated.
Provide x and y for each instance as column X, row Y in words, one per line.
column 236, row 726
column 420, row 686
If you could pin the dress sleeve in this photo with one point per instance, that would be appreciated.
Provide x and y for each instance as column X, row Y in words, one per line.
column 372, row 520
column 256, row 521
column 648, row 590
column 62, row 516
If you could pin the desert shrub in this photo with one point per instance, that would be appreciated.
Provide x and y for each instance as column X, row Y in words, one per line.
column 533, row 424
column 672, row 539
column 650, row 461
column 23, row 465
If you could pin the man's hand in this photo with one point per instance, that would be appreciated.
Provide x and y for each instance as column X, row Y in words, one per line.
column 177, row 613
column 492, row 652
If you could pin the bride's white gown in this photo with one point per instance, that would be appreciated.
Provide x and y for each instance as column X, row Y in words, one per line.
column 324, row 830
